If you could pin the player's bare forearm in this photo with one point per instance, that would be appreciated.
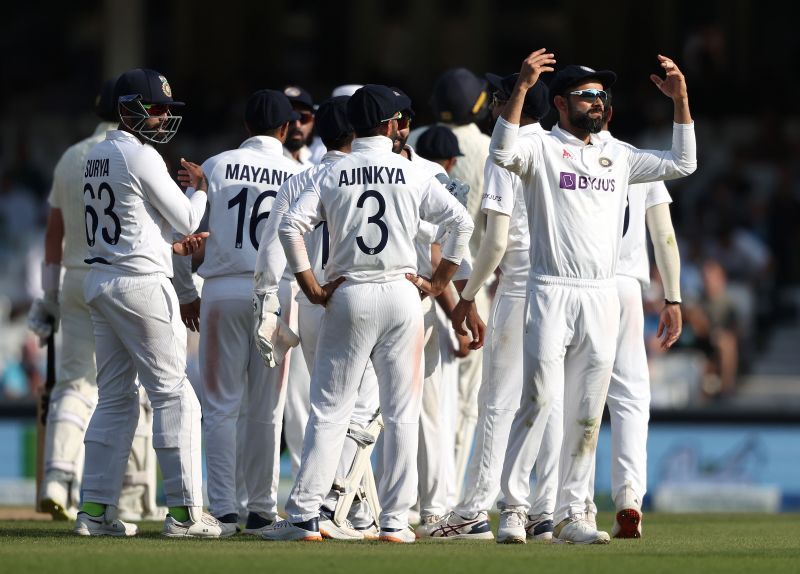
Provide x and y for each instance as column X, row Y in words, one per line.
column 437, row 284
column 54, row 237
column 447, row 302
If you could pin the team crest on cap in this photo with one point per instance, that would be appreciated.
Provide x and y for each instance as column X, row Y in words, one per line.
column 605, row 162
column 587, row 69
column 165, row 87
column 291, row 92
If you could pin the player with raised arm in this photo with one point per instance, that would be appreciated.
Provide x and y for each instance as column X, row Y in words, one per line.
column 372, row 200
column 132, row 206
column 575, row 187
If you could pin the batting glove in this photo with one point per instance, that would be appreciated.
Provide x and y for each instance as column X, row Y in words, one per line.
column 44, row 316
column 273, row 337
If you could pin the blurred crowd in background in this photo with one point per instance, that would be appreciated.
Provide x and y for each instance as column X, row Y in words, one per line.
column 737, row 217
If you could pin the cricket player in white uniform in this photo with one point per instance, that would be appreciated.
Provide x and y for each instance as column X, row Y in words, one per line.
column 75, row 393
column 242, row 186
column 629, row 392
column 458, row 100
column 132, row 206
column 372, row 200
column 575, row 189
column 506, row 244
column 337, row 133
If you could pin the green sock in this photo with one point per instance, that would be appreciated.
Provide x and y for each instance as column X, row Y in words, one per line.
column 179, row 513
column 93, row 508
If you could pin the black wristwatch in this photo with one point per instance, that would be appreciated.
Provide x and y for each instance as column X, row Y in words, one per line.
column 668, row 302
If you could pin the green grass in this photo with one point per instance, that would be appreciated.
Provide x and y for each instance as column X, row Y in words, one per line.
column 751, row 543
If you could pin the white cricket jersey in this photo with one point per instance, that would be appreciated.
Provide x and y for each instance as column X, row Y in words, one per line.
column 373, row 200
column 633, row 260
column 242, row 186
column 67, row 196
column 132, row 205
column 271, row 262
column 503, row 193
column 575, row 193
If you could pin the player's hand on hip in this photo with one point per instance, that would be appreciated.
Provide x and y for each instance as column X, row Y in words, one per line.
column 191, row 243
column 44, row 316
column 425, row 285
column 190, row 315
column 673, row 85
column 325, row 292
column 191, row 175
column 533, row 66
column 670, row 325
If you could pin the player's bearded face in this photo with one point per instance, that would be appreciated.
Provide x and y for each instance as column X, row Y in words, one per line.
column 589, row 119
column 400, row 139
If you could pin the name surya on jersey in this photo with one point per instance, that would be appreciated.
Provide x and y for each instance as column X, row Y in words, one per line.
column 96, row 168
column 251, row 173
column 371, row 174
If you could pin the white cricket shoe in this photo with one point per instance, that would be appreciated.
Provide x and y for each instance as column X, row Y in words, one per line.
column 398, row 535
column 307, row 531
column 577, row 530
column 256, row 523
column 539, row 527
column 512, row 527
column 453, row 526
column 591, row 517
column 329, row 529
column 370, row 532
column 199, row 525
column 107, row 524
column 628, row 520
column 426, row 524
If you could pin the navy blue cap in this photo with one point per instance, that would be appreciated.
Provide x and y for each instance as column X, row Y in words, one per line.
column 409, row 110
column 267, row 110
column 373, row 104
column 572, row 75
column 104, row 105
column 149, row 85
column 298, row 95
column 438, row 142
column 458, row 96
column 331, row 119
column 537, row 99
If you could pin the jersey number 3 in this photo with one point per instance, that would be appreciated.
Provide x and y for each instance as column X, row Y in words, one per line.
column 376, row 219
column 110, row 236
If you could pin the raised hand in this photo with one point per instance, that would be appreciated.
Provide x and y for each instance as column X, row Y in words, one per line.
column 674, row 84
column 533, row 66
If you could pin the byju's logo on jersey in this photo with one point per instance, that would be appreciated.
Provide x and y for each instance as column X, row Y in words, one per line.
column 567, row 180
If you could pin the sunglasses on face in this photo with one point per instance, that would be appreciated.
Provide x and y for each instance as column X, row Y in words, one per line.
column 156, row 109
column 398, row 116
column 404, row 122
column 590, row 95
column 305, row 117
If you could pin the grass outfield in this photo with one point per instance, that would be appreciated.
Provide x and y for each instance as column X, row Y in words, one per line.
column 751, row 543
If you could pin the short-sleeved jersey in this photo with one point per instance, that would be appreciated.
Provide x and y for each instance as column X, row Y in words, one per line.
column 633, row 259
column 373, row 200
column 575, row 193
column 271, row 261
column 132, row 206
column 67, row 196
column 242, row 187
column 503, row 193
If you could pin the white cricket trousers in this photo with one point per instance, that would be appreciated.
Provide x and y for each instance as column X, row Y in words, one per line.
column 234, row 378
column 366, row 405
column 629, row 398
column 138, row 330
column 296, row 376
column 381, row 321
column 569, row 344
column 498, row 400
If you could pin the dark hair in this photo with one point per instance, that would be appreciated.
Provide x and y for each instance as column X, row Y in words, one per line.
column 271, row 132
column 339, row 142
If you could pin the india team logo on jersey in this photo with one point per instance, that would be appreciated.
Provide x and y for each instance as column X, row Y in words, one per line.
column 605, row 162
column 165, row 87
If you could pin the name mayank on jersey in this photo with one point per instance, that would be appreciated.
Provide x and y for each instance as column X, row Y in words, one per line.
column 251, row 173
